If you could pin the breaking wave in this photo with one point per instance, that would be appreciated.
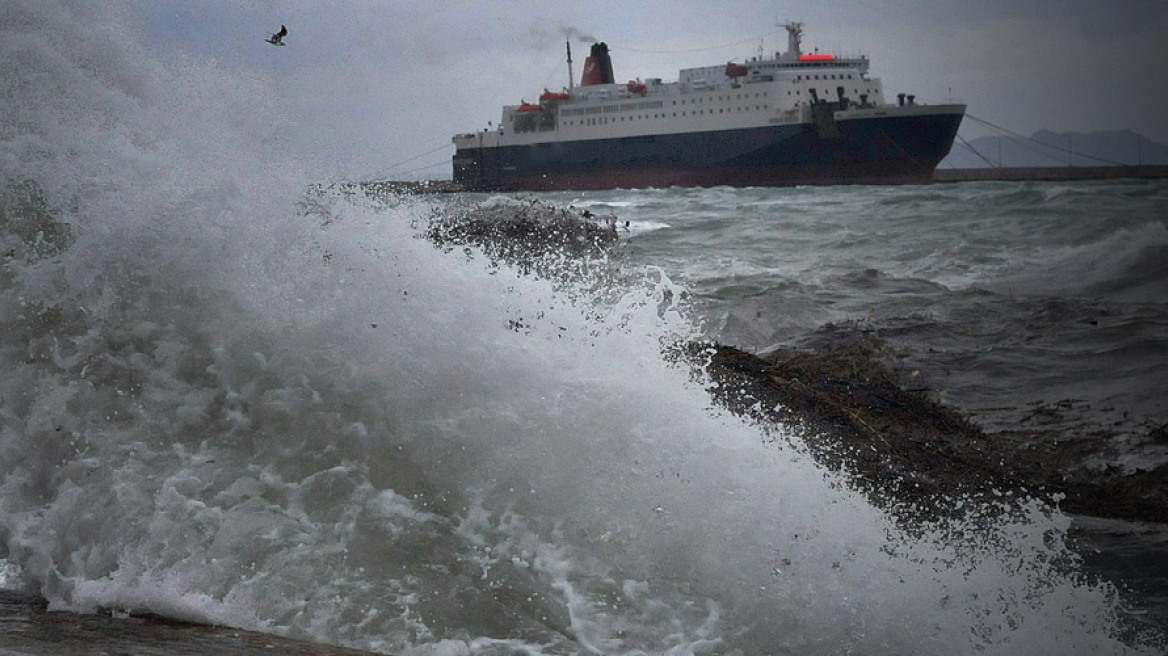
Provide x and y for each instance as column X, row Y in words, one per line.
column 232, row 397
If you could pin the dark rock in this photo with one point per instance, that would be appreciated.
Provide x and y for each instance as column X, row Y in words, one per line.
column 855, row 412
column 27, row 626
column 523, row 232
column 906, row 450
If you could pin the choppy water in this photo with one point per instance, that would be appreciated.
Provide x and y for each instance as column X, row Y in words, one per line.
column 1007, row 293
column 225, row 399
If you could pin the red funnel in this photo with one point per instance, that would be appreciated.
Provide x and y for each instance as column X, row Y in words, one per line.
column 598, row 67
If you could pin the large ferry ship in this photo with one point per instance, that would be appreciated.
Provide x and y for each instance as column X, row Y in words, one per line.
column 788, row 119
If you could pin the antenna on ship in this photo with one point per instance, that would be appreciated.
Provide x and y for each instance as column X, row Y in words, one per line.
column 571, row 82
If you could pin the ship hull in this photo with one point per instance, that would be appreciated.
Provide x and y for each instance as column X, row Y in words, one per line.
column 865, row 150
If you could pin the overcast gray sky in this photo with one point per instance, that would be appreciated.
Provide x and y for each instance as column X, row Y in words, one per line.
column 377, row 88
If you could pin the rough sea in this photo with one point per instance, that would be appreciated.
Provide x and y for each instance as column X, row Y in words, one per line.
column 230, row 397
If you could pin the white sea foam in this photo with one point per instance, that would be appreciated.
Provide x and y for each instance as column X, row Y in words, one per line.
column 223, row 406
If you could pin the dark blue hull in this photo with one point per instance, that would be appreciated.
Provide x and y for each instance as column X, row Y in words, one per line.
column 878, row 150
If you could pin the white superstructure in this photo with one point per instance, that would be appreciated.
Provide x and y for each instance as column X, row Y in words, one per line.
column 761, row 91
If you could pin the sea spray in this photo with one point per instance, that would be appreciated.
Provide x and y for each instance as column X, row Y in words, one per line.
column 221, row 407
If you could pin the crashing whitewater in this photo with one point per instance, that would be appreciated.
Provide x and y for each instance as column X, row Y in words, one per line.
column 230, row 399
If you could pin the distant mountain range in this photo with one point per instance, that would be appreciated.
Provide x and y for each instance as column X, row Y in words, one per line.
column 1046, row 148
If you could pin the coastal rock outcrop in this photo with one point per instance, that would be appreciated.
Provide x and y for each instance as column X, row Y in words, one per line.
column 891, row 435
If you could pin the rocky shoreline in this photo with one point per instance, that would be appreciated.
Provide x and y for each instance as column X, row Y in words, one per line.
column 854, row 405
column 29, row 628
column 857, row 411
column 902, row 446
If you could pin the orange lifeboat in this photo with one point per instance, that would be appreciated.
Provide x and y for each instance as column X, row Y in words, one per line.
column 551, row 96
column 528, row 107
column 637, row 87
column 736, row 70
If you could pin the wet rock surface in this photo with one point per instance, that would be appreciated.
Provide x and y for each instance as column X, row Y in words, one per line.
column 857, row 407
column 523, row 232
column 28, row 628
column 898, row 443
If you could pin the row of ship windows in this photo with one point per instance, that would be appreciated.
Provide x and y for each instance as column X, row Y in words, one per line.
column 658, row 104
column 737, row 96
column 800, row 78
column 826, row 92
column 604, row 120
column 827, row 64
column 612, row 109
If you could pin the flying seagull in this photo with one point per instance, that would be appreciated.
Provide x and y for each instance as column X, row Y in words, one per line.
column 278, row 38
